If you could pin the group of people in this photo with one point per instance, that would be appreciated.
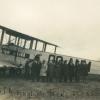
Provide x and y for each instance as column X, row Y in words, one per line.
column 51, row 71
column 59, row 71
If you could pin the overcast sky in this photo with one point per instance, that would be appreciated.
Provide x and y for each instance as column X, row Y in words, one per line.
column 74, row 25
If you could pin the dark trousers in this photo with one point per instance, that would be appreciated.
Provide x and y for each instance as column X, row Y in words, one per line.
column 77, row 77
column 71, row 77
column 19, row 72
column 35, row 76
column 27, row 75
column 12, row 72
column 43, row 78
column 50, row 79
column 65, row 78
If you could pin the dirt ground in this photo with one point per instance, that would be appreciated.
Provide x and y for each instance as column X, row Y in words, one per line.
column 20, row 89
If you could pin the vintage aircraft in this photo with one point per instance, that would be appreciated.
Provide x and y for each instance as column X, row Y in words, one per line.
column 19, row 47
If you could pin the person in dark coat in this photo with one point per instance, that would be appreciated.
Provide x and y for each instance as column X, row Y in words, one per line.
column 77, row 71
column 65, row 71
column 58, row 71
column 27, row 70
column 71, row 69
column 84, row 70
column 35, row 69
column 12, row 71
column 51, row 70
column 3, row 71
column 62, row 74
column 61, row 70
column 19, row 70
column 89, row 66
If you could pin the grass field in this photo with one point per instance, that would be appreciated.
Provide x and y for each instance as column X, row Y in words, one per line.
column 19, row 89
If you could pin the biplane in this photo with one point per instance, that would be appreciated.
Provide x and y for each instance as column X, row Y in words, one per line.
column 16, row 48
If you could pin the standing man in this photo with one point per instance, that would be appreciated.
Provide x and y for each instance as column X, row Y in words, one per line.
column 51, row 70
column 71, row 69
column 89, row 66
column 58, row 71
column 27, row 70
column 65, row 71
column 19, row 70
column 77, row 71
column 84, row 70
column 35, row 69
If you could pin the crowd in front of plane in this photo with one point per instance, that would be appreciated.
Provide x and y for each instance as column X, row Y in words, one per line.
column 53, row 71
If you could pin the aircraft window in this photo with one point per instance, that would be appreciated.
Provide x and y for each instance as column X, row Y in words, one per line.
column 27, row 55
column 19, row 54
column 23, row 55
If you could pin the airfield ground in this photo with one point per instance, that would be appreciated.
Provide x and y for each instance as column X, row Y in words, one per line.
column 19, row 89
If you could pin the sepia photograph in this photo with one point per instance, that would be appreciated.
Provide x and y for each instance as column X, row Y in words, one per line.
column 49, row 49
